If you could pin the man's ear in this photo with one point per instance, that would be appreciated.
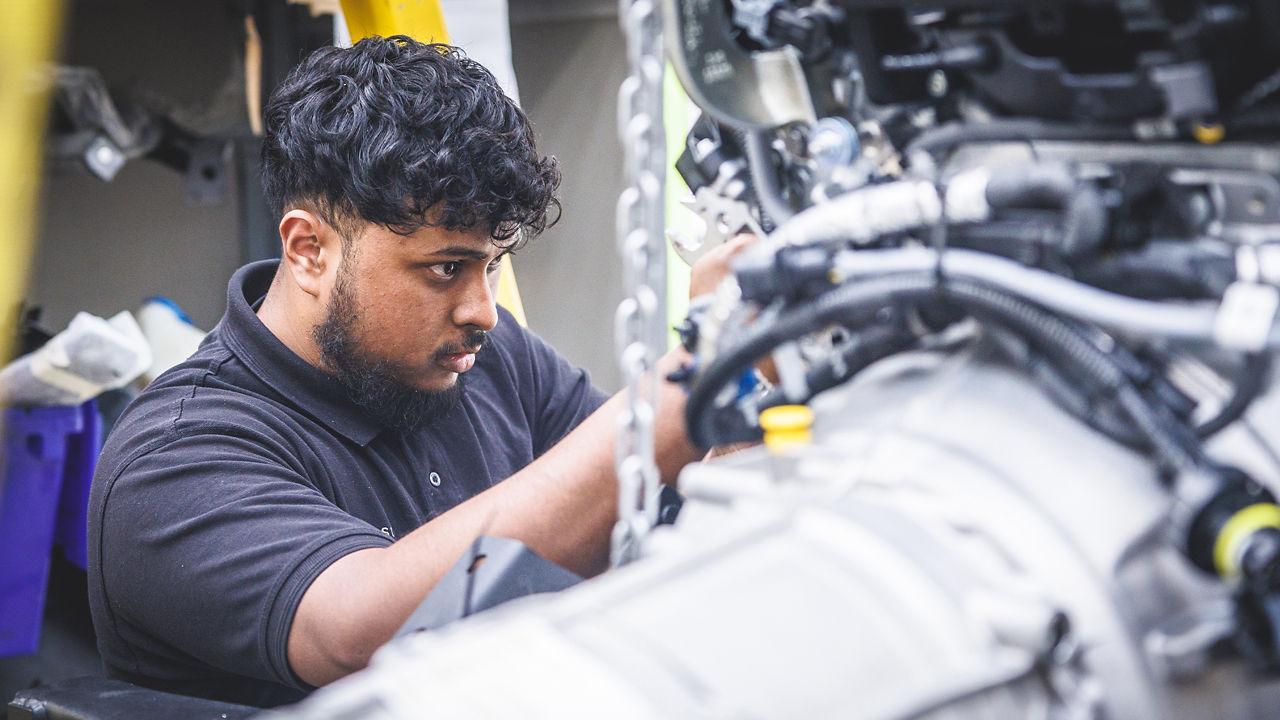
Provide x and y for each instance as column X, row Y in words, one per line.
column 310, row 249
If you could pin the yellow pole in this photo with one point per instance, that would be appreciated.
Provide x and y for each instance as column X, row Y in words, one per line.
column 422, row 20
column 419, row 19
column 28, row 29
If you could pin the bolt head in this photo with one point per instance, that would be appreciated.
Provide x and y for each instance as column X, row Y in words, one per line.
column 937, row 83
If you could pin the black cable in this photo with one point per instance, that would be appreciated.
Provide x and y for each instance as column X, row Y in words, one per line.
column 945, row 137
column 1068, row 394
column 866, row 347
column 838, row 305
column 1248, row 384
column 1054, row 336
column 1051, row 335
column 764, row 178
column 1251, row 381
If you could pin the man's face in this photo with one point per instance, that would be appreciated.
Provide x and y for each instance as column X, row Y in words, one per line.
column 406, row 316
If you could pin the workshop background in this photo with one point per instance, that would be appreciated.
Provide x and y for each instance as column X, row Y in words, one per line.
column 111, row 231
column 104, row 246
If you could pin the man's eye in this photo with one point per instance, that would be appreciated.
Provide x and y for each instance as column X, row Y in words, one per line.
column 495, row 266
column 446, row 269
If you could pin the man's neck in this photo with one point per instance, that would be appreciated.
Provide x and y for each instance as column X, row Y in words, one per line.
column 290, row 320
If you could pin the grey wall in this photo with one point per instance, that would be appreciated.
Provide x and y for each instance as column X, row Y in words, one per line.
column 102, row 247
column 569, row 71
column 106, row 246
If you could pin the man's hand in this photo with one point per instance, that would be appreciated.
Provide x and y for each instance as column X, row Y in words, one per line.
column 562, row 505
column 713, row 267
column 705, row 276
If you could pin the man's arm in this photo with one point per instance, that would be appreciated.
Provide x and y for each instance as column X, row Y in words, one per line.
column 563, row 506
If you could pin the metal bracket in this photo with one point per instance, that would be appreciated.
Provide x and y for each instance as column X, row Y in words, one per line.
column 755, row 90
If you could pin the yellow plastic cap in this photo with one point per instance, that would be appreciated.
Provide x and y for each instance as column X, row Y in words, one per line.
column 786, row 426
column 1208, row 134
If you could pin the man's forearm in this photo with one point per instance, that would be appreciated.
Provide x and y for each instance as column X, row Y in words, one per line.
column 563, row 506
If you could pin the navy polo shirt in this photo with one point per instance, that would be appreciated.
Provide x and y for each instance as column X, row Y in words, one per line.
column 235, row 478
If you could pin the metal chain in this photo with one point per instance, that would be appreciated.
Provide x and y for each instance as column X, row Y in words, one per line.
column 638, row 330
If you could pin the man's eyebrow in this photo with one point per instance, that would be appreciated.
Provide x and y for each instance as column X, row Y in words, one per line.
column 460, row 252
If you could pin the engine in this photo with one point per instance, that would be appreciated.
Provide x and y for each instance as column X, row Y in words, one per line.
column 1001, row 360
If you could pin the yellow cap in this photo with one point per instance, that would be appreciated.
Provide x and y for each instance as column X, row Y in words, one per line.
column 1208, row 134
column 1236, row 530
column 786, row 426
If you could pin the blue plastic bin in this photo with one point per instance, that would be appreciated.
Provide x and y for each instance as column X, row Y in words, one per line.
column 45, row 471
column 77, row 475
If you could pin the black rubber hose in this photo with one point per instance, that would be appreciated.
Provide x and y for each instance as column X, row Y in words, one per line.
column 1050, row 334
column 1071, row 397
column 1055, row 337
column 1052, row 185
column 764, row 178
column 835, row 306
column 1251, row 381
column 1082, row 401
column 868, row 346
column 944, row 138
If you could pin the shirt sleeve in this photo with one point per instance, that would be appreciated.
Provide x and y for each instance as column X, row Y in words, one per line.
column 209, row 543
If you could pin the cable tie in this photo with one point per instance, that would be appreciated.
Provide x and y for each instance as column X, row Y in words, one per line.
column 1268, row 257
column 1248, row 264
column 1245, row 316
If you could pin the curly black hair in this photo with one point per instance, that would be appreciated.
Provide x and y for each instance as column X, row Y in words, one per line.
column 406, row 135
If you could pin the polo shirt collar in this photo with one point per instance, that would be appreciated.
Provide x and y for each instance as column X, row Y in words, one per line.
column 312, row 390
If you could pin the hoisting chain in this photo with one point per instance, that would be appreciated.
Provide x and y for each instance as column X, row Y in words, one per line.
column 638, row 331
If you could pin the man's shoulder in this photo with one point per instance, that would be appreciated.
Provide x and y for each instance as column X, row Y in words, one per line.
column 210, row 392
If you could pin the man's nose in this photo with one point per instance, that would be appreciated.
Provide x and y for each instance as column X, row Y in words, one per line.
column 476, row 305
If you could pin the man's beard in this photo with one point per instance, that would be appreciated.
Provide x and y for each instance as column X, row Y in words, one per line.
column 371, row 382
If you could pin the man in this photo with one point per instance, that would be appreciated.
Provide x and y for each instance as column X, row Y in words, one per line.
column 268, row 513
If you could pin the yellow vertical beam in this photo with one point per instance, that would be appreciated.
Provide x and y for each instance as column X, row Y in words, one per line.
column 28, row 30
column 509, row 293
column 421, row 20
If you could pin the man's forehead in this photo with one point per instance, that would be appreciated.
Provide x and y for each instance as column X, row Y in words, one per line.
column 435, row 242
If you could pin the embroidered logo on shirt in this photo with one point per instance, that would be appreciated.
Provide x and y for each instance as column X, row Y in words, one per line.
column 388, row 532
